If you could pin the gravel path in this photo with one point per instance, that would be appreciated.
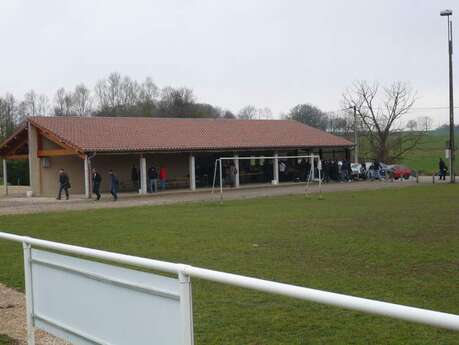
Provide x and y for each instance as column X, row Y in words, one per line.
column 21, row 205
column 13, row 322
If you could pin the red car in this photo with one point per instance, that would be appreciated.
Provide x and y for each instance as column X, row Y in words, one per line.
column 400, row 171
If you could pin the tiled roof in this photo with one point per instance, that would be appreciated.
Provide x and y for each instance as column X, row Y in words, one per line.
column 125, row 134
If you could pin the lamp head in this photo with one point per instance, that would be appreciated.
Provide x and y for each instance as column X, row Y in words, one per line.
column 446, row 13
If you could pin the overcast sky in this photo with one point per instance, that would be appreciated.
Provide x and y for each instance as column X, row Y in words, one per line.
column 270, row 53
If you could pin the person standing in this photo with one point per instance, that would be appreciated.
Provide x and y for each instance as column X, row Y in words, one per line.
column 162, row 177
column 233, row 173
column 152, row 179
column 442, row 169
column 96, row 181
column 114, row 185
column 64, row 184
column 283, row 170
column 135, row 177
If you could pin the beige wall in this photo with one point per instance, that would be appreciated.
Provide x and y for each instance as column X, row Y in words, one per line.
column 74, row 167
column 176, row 165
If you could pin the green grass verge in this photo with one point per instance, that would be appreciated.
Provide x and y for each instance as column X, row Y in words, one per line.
column 426, row 155
column 397, row 245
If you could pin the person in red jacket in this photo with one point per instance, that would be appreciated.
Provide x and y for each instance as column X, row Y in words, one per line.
column 162, row 178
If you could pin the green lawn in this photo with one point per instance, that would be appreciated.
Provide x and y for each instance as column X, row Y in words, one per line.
column 425, row 157
column 397, row 245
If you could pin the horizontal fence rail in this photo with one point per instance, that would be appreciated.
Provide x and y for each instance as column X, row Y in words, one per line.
column 418, row 315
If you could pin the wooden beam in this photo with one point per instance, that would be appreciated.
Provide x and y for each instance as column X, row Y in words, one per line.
column 17, row 157
column 12, row 150
column 56, row 153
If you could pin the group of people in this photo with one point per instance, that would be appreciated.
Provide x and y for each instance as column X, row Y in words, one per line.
column 114, row 184
column 153, row 176
column 229, row 174
column 64, row 184
column 333, row 170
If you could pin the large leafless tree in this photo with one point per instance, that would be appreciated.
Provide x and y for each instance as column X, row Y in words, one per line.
column 381, row 112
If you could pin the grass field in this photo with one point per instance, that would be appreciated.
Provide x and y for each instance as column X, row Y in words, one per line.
column 397, row 245
column 425, row 157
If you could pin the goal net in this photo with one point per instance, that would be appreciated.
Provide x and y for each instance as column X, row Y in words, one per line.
column 276, row 169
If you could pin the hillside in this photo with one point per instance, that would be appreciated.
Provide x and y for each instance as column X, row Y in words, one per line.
column 425, row 157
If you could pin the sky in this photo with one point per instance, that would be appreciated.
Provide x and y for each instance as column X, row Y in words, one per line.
column 270, row 53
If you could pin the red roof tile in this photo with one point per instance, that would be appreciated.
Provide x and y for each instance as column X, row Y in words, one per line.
column 115, row 134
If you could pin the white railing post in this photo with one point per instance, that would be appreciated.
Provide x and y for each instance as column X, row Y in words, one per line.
column 186, row 308
column 28, row 292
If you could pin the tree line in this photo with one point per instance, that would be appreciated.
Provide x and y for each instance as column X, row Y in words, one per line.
column 380, row 111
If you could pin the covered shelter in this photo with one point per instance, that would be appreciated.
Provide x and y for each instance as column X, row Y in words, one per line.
column 187, row 148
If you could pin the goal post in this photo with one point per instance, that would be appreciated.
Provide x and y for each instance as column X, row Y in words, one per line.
column 218, row 168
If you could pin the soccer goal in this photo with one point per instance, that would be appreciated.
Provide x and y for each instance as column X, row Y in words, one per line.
column 313, row 162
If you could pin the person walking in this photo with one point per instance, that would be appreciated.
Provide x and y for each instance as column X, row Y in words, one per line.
column 152, row 179
column 96, row 181
column 114, row 185
column 162, row 177
column 64, row 184
column 442, row 169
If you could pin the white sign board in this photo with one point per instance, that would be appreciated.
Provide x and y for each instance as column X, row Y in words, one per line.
column 87, row 302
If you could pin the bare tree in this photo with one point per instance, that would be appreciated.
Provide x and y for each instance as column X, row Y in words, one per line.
column 412, row 125
column 82, row 102
column 34, row 104
column 149, row 92
column 249, row 112
column 63, row 103
column 381, row 111
column 265, row 113
column 8, row 115
column 424, row 123
column 109, row 91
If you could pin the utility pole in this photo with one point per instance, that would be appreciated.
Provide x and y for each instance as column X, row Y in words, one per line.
column 448, row 13
column 356, row 138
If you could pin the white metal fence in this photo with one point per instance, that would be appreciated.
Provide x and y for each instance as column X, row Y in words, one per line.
column 60, row 289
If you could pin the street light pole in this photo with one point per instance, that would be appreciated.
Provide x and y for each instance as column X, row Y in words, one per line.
column 356, row 139
column 448, row 13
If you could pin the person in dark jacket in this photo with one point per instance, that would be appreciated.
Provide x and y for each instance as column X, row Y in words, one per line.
column 152, row 179
column 114, row 185
column 64, row 184
column 135, row 177
column 442, row 169
column 96, row 181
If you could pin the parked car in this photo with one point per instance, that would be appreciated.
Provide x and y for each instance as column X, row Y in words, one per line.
column 400, row 171
column 380, row 174
column 359, row 172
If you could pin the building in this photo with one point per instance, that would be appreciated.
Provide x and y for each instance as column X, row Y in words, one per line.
column 187, row 148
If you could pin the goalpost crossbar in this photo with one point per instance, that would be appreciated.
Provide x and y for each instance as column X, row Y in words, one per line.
column 311, row 157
